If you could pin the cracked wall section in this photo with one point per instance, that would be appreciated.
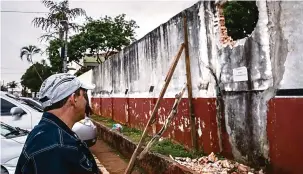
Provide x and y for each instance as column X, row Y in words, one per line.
column 244, row 103
column 272, row 55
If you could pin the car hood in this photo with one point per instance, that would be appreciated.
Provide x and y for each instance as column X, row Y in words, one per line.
column 11, row 148
column 11, row 165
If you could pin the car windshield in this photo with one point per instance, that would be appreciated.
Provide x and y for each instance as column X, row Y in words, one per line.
column 29, row 102
column 9, row 131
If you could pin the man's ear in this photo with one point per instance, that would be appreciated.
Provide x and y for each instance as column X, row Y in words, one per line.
column 73, row 99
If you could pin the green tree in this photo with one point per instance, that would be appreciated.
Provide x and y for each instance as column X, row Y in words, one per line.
column 77, row 47
column 58, row 22
column 240, row 18
column 12, row 85
column 28, row 52
column 54, row 57
column 104, row 35
column 97, row 36
column 59, row 17
column 30, row 79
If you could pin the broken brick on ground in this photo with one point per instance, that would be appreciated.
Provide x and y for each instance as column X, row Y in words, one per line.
column 212, row 165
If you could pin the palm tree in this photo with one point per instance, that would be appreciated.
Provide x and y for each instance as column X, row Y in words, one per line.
column 58, row 21
column 29, row 51
column 12, row 85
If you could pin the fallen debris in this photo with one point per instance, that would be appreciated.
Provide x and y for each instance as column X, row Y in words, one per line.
column 212, row 165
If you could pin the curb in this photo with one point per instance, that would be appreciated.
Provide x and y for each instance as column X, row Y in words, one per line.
column 100, row 166
column 151, row 163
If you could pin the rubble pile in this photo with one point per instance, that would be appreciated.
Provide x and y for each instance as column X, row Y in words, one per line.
column 212, row 165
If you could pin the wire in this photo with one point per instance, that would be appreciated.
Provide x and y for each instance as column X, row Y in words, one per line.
column 16, row 11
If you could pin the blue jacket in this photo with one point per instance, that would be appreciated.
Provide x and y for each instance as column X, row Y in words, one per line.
column 52, row 147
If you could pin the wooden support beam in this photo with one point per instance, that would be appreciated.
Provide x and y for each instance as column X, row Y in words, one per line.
column 171, row 115
column 152, row 117
column 189, row 88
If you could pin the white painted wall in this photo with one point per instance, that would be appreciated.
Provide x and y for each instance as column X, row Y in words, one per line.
column 146, row 62
column 292, row 29
column 87, row 78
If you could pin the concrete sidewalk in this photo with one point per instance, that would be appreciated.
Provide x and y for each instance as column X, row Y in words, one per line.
column 100, row 166
column 108, row 159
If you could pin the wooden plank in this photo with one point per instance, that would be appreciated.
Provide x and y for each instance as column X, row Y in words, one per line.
column 152, row 117
column 189, row 88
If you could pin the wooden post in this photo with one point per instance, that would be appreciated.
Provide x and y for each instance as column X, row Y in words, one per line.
column 152, row 117
column 167, row 122
column 189, row 88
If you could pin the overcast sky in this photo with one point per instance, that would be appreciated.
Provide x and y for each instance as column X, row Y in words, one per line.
column 17, row 30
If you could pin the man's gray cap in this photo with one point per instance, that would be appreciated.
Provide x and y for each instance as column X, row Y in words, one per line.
column 59, row 86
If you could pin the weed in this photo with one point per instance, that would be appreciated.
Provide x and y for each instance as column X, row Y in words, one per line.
column 164, row 147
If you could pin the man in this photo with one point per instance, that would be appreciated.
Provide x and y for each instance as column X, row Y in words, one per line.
column 52, row 147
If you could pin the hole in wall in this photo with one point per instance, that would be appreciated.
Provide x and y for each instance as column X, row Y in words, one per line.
column 126, row 91
column 240, row 18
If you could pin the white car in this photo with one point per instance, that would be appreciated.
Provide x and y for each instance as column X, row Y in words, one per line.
column 12, row 141
column 23, row 114
column 17, row 113
column 26, row 113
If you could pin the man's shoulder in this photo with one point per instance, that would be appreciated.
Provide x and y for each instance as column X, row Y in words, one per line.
column 46, row 137
column 41, row 137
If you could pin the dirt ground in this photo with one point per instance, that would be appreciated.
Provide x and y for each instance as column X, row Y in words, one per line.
column 108, row 157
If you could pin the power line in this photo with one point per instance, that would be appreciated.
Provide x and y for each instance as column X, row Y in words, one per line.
column 16, row 11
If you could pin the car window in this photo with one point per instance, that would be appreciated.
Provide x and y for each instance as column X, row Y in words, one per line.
column 6, row 107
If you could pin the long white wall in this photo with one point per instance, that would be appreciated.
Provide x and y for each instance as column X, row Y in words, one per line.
column 146, row 62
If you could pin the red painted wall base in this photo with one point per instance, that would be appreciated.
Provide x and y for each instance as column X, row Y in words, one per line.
column 284, row 125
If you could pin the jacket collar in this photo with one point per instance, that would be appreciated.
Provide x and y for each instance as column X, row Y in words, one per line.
column 49, row 117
